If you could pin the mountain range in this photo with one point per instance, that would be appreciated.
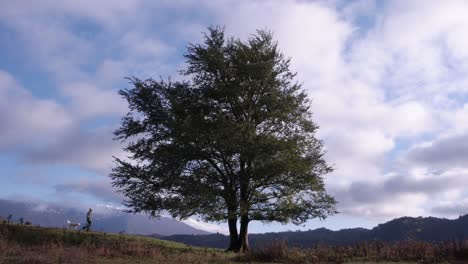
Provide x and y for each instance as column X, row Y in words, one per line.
column 430, row 229
column 105, row 219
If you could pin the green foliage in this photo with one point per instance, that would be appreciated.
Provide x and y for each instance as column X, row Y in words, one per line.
column 236, row 140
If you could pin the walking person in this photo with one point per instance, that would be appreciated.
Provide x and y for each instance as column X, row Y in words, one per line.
column 87, row 227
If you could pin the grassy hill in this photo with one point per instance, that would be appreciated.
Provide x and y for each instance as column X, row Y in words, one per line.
column 24, row 244
column 30, row 244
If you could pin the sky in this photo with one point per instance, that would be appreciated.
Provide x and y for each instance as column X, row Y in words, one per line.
column 388, row 82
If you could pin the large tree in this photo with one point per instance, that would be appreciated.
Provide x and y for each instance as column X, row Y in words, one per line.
column 234, row 142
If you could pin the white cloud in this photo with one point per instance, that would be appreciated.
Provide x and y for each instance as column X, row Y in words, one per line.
column 416, row 192
column 214, row 228
column 88, row 47
column 26, row 119
column 89, row 149
column 43, row 131
column 140, row 46
column 89, row 101
column 106, row 13
column 401, row 205
column 100, row 189
column 417, row 60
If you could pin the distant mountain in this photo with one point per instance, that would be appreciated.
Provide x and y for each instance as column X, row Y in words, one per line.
column 429, row 229
column 104, row 219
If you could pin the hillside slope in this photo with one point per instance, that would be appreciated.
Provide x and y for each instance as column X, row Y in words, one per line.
column 30, row 244
column 22, row 244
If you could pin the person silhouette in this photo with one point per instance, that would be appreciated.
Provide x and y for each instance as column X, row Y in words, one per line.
column 87, row 227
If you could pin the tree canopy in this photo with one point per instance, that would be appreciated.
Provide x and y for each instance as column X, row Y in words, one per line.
column 234, row 141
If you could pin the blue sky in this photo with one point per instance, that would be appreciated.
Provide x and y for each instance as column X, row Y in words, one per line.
column 388, row 82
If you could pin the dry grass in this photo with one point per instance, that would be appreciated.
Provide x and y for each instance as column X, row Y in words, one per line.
column 33, row 245
column 275, row 251
column 136, row 252
column 409, row 252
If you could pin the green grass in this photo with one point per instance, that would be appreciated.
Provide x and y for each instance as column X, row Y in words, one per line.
column 32, row 235
column 21, row 244
column 29, row 244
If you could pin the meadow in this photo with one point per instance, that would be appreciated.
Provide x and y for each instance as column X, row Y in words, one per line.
column 38, row 245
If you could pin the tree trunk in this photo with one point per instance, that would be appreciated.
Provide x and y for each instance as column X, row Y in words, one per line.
column 244, row 207
column 243, row 235
column 233, row 235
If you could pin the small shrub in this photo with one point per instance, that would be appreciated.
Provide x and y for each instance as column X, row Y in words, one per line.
column 275, row 251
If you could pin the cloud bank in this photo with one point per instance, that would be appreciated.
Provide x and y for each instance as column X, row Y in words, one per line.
column 388, row 91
